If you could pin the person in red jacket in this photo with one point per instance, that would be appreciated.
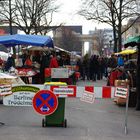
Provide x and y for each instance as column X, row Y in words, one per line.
column 1, row 61
column 53, row 62
column 28, row 61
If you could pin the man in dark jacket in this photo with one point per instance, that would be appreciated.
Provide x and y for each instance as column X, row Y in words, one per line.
column 112, row 62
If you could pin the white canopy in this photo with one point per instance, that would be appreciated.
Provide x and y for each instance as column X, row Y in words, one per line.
column 3, row 55
column 6, row 76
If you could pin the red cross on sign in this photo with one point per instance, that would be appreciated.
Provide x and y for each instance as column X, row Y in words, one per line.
column 45, row 102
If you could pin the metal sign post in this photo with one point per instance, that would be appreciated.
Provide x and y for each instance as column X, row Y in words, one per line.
column 1, row 123
column 126, row 112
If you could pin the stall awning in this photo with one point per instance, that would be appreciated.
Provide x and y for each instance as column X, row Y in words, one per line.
column 132, row 41
column 18, row 39
column 126, row 52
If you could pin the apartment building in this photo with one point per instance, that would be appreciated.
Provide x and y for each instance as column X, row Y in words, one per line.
column 134, row 30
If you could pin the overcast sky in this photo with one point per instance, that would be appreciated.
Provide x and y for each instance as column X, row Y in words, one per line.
column 67, row 14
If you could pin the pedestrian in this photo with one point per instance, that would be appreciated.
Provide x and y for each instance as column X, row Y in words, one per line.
column 53, row 61
column 93, row 67
column 112, row 62
column 101, row 67
column 24, row 56
column 28, row 62
column 85, row 67
column 120, row 61
column 60, row 60
column 10, row 62
column 44, row 63
column 1, row 63
column 79, row 66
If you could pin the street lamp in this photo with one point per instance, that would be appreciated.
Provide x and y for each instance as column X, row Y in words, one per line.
column 110, row 43
column 103, row 51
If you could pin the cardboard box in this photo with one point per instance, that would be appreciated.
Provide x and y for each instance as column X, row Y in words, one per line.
column 121, row 83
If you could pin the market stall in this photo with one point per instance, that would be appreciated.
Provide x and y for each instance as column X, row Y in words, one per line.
column 34, row 40
column 26, row 74
column 135, row 41
column 118, row 75
column 6, row 81
column 23, row 39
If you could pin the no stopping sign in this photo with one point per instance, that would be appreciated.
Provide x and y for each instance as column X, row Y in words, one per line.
column 45, row 102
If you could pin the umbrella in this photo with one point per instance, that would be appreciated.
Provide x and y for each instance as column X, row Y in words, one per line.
column 132, row 41
column 128, row 51
column 18, row 39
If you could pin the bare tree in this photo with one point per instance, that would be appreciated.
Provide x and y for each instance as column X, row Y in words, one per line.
column 68, row 40
column 31, row 16
column 101, row 40
column 6, row 12
column 112, row 12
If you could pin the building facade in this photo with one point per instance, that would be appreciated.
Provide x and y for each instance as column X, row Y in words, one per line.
column 67, row 37
column 103, row 42
column 134, row 30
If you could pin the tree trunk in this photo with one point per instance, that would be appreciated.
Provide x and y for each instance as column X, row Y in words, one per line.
column 138, row 81
column 115, row 38
column 120, row 36
column 115, row 44
column 119, row 41
column 120, row 27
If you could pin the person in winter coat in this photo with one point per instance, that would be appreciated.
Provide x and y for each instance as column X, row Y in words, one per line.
column 53, row 61
column 93, row 67
column 112, row 62
column 85, row 67
column 10, row 63
column 120, row 61
column 28, row 61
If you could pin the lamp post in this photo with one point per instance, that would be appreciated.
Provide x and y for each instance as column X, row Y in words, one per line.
column 103, row 51
column 110, row 43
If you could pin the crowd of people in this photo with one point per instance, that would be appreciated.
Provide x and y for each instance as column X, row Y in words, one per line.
column 90, row 67
column 97, row 67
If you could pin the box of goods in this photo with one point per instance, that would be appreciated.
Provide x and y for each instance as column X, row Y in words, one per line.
column 5, row 81
column 121, row 83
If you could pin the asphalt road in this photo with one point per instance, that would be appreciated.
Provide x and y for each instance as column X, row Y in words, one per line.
column 102, row 120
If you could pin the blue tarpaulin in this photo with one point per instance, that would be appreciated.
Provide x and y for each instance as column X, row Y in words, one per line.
column 21, row 39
